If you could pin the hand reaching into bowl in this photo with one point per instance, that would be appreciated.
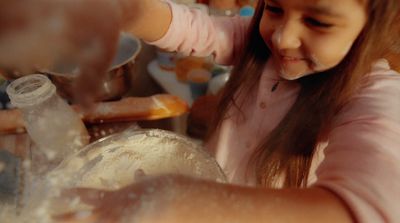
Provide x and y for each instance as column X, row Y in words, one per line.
column 41, row 34
column 37, row 34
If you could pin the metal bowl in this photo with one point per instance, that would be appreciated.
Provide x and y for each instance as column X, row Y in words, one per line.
column 118, row 77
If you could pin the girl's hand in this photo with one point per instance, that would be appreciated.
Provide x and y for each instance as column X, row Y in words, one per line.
column 108, row 206
column 42, row 34
column 146, row 201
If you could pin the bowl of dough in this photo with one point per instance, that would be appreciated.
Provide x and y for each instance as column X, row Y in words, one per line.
column 111, row 162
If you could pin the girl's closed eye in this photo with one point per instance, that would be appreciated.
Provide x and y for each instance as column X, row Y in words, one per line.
column 317, row 24
column 273, row 9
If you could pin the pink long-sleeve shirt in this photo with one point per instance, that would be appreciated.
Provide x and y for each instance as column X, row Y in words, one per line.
column 360, row 162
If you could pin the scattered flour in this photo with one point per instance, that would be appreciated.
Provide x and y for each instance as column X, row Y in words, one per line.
column 111, row 163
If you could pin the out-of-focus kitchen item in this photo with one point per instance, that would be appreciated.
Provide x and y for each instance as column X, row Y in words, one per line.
column 10, row 74
column 136, row 108
column 4, row 99
column 117, row 79
column 166, row 60
column 202, row 112
column 111, row 162
column 127, row 109
column 198, row 82
column 242, row 3
column 246, row 11
column 223, row 7
column 11, row 122
column 185, row 64
column 218, row 82
column 9, row 177
column 169, row 82
column 53, row 125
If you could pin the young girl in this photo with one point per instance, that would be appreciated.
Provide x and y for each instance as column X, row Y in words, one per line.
column 310, row 116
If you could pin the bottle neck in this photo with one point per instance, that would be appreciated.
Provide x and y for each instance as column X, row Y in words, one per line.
column 30, row 90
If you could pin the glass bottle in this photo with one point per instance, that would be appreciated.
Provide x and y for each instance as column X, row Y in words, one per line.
column 52, row 124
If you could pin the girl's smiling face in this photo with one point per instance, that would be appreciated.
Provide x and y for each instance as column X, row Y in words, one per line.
column 309, row 36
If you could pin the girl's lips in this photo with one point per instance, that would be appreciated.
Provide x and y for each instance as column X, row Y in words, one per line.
column 291, row 59
column 286, row 60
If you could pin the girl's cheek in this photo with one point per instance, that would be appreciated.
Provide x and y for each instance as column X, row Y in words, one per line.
column 346, row 49
column 322, row 54
column 332, row 49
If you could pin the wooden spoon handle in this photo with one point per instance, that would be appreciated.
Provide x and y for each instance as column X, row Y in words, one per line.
column 127, row 109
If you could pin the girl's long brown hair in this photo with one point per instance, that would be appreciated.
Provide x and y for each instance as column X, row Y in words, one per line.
column 288, row 150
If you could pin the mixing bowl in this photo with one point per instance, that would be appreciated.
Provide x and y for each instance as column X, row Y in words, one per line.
column 111, row 162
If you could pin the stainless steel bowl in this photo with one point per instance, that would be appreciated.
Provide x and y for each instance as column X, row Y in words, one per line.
column 118, row 78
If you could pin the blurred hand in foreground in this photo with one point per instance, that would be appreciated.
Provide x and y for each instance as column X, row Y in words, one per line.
column 82, row 34
column 42, row 34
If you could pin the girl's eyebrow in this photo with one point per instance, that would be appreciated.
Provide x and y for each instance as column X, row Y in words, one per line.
column 321, row 10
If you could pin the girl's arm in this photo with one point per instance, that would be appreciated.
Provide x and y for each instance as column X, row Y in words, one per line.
column 175, row 199
column 195, row 33
column 214, row 203
column 146, row 19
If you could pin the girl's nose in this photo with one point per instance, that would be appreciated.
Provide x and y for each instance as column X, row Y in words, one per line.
column 286, row 37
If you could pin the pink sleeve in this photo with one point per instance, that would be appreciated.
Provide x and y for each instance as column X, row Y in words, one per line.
column 195, row 33
column 362, row 160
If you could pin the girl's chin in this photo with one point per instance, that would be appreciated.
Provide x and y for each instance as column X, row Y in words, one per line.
column 293, row 74
column 292, row 70
column 291, row 77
